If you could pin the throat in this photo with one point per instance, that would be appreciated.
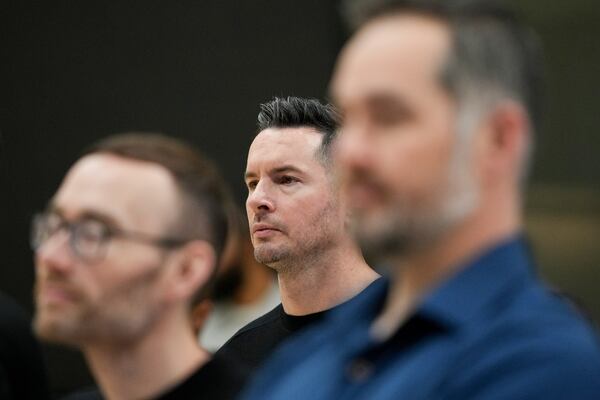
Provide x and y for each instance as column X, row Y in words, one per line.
column 323, row 286
column 147, row 368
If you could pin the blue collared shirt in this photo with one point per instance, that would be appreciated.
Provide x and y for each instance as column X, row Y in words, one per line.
column 492, row 331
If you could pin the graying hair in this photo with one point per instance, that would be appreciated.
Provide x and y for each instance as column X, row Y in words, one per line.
column 493, row 56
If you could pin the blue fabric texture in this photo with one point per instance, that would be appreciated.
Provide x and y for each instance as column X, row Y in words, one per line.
column 492, row 331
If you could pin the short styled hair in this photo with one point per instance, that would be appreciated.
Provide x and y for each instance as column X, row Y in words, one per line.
column 204, row 197
column 493, row 54
column 294, row 112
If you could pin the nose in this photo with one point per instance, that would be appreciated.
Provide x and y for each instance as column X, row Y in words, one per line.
column 352, row 148
column 259, row 200
column 55, row 253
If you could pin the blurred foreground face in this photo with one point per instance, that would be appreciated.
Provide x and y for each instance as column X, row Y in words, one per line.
column 115, row 296
column 292, row 211
column 405, row 172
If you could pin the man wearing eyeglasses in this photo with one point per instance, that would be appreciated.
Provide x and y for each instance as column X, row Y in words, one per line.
column 133, row 232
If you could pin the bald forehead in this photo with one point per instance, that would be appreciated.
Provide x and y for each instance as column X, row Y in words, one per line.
column 136, row 194
column 393, row 48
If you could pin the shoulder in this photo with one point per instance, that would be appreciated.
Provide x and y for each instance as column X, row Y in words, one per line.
column 85, row 394
column 531, row 370
column 266, row 320
column 255, row 341
column 549, row 352
column 220, row 378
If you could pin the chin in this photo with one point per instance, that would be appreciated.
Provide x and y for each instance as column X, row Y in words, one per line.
column 372, row 224
column 54, row 331
column 269, row 255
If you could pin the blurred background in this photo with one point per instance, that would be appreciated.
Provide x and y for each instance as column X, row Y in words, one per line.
column 73, row 72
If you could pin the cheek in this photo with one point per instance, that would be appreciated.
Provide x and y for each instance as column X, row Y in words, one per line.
column 302, row 212
column 99, row 278
column 93, row 289
column 124, row 263
column 414, row 165
column 249, row 212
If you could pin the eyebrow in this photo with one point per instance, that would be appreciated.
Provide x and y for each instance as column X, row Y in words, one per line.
column 278, row 170
column 87, row 214
column 385, row 99
column 378, row 98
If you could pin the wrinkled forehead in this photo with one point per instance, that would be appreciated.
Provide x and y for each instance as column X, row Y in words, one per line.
column 136, row 194
column 274, row 147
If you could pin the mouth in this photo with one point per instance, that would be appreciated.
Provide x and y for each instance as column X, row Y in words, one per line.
column 52, row 295
column 264, row 230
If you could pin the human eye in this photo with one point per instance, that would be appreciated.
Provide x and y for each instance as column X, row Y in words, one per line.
column 387, row 111
column 389, row 115
column 251, row 184
column 45, row 225
column 91, row 231
column 89, row 236
column 52, row 222
column 286, row 180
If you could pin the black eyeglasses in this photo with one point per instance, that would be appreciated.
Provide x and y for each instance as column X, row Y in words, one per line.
column 88, row 237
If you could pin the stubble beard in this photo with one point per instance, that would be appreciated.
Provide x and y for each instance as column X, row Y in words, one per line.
column 402, row 228
column 119, row 317
column 306, row 249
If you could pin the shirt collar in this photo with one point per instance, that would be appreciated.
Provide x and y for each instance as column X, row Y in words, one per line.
column 363, row 306
column 456, row 301
column 487, row 277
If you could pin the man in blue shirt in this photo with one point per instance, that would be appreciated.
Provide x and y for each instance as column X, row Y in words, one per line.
column 439, row 100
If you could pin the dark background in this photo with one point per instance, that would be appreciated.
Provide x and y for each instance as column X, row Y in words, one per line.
column 73, row 72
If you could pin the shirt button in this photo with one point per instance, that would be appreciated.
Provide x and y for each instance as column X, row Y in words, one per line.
column 359, row 370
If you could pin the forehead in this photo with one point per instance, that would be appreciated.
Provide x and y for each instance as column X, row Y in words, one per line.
column 136, row 194
column 274, row 147
column 398, row 52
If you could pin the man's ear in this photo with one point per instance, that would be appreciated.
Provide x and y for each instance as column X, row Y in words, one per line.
column 506, row 140
column 193, row 269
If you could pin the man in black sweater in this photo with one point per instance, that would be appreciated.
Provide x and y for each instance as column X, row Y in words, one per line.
column 134, row 231
column 297, row 224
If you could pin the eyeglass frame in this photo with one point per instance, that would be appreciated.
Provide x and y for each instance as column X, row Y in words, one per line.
column 109, row 233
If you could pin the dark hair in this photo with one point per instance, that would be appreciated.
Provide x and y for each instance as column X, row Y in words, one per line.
column 492, row 51
column 204, row 196
column 292, row 112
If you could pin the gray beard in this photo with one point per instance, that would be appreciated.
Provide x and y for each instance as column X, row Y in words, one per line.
column 403, row 229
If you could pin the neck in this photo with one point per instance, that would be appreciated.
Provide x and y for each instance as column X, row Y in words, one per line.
column 334, row 277
column 419, row 272
column 147, row 366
